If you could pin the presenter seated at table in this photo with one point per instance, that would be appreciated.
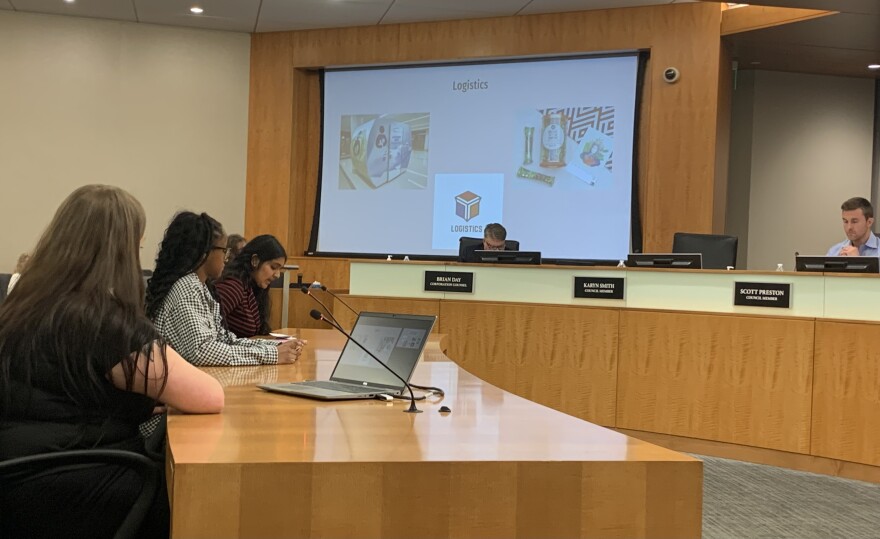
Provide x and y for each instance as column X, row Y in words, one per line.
column 183, row 308
column 243, row 290
column 81, row 367
column 858, row 217
column 494, row 239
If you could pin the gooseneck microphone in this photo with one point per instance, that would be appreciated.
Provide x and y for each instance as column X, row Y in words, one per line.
column 325, row 289
column 316, row 314
column 305, row 290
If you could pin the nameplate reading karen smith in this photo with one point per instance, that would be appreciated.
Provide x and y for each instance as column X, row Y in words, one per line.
column 449, row 281
column 598, row 287
column 762, row 294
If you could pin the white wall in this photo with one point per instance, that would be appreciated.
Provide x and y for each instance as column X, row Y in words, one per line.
column 160, row 111
column 739, row 171
column 810, row 149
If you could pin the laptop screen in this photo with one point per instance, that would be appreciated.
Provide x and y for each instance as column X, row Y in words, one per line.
column 396, row 339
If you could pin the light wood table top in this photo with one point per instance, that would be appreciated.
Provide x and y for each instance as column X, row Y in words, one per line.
column 497, row 466
column 486, row 422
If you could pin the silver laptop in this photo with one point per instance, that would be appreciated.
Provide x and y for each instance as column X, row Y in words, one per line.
column 397, row 339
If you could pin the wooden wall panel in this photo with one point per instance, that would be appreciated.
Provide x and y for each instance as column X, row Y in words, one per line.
column 846, row 394
column 331, row 272
column 270, row 129
column 328, row 47
column 681, row 136
column 743, row 380
column 304, row 164
column 677, row 144
column 562, row 357
column 747, row 18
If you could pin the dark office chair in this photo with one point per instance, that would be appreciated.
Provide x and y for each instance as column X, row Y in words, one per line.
column 719, row 251
column 464, row 242
column 4, row 284
column 15, row 474
column 146, row 274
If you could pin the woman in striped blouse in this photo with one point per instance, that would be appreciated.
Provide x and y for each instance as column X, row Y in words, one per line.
column 243, row 291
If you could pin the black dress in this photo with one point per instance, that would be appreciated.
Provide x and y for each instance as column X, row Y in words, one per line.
column 82, row 502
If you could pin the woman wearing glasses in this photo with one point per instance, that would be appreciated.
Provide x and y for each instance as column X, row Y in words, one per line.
column 185, row 312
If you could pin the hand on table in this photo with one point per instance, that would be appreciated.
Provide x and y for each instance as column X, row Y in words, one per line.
column 289, row 351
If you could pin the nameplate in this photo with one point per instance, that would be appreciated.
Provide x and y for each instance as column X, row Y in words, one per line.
column 762, row 294
column 598, row 287
column 449, row 281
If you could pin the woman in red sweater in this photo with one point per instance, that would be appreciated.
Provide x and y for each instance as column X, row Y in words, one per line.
column 243, row 290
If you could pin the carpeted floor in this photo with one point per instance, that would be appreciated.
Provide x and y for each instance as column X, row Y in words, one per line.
column 743, row 500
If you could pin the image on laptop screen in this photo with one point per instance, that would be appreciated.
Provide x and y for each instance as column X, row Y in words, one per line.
column 396, row 339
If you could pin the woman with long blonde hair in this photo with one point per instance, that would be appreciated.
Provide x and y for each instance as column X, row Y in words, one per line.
column 81, row 366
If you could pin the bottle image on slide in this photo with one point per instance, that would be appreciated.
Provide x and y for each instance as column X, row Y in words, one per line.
column 553, row 140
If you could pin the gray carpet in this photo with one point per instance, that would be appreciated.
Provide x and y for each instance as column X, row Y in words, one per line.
column 743, row 500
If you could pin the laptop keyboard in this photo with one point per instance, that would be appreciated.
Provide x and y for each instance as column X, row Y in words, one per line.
column 338, row 386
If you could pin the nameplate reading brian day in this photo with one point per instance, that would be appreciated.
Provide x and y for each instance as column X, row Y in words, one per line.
column 449, row 281
column 762, row 294
column 598, row 287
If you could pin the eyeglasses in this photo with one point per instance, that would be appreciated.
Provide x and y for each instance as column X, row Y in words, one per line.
column 489, row 247
column 226, row 250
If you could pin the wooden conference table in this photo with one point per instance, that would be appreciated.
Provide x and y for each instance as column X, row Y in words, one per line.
column 675, row 360
column 497, row 466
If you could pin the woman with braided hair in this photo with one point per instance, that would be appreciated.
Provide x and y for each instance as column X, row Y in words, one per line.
column 183, row 309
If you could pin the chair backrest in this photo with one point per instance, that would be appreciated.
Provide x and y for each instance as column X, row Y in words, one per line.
column 20, row 469
column 464, row 242
column 718, row 250
column 4, row 284
column 146, row 274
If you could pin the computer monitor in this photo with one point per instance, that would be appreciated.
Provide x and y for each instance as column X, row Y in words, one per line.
column 508, row 257
column 581, row 261
column 838, row 264
column 665, row 260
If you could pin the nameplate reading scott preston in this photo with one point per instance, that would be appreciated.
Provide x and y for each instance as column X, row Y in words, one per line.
column 762, row 294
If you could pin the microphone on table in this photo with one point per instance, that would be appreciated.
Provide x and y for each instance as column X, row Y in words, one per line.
column 316, row 314
column 325, row 289
column 305, row 290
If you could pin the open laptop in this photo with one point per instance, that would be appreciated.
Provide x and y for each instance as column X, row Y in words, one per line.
column 397, row 339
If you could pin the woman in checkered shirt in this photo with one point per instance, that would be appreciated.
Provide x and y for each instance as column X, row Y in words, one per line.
column 183, row 309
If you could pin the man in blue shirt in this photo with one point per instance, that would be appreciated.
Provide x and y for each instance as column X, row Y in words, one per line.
column 858, row 216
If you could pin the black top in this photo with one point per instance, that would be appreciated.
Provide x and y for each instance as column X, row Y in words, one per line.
column 44, row 410
column 42, row 418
